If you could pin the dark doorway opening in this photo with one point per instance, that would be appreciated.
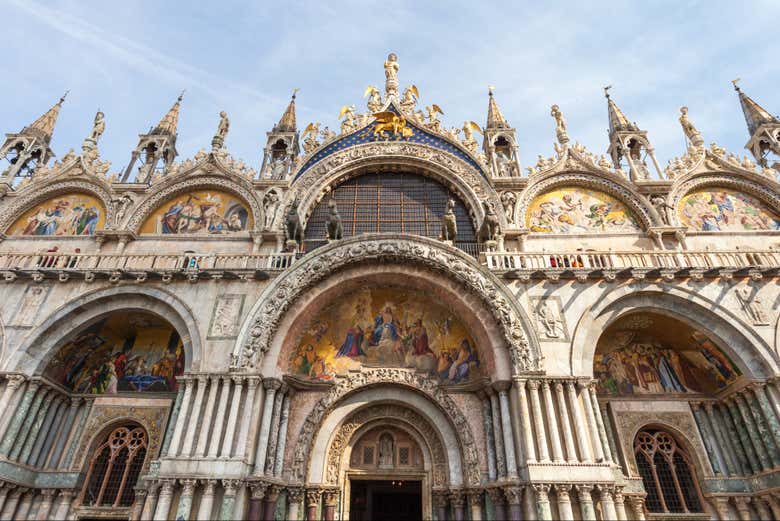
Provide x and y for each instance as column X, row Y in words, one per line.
column 391, row 500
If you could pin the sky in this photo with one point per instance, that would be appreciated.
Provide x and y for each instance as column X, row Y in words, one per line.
column 131, row 59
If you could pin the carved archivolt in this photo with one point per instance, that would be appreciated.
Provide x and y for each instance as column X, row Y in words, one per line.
column 447, row 168
column 391, row 413
column 307, row 272
column 35, row 194
column 345, row 385
column 643, row 211
column 182, row 186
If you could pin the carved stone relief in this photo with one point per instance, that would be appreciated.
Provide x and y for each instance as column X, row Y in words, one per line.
column 33, row 297
column 549, row 319
column 226, row 316
column 752, row 305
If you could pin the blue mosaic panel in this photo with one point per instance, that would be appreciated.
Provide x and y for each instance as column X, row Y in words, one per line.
column 366, row 135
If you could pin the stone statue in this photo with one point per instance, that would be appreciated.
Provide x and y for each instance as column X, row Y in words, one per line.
column 508, row 201
column 218, row 140
column 98, row 127
column 120, row 208
column 333, row 225
column 491, row 227
column 270, row 205
column 548, row 318
column 691, row 132
column 752, row 306
column 349, row 124
column 293, row 229
column 662, row 207
column 433, row 119
column 449, row 225
column 327, row 134
column 385, row 458
column 560, row 125
column 469, row 142
column 504, row 166
column 604, row 163
column 279, row 168
column 309, row 136
column 391, row 75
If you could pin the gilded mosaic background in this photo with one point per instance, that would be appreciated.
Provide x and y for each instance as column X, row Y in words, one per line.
column 720, row 209
column 200, row 212
column 70, row 214
column 579, row 210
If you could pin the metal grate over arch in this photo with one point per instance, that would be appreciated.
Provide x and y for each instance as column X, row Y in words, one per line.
column 391, row 202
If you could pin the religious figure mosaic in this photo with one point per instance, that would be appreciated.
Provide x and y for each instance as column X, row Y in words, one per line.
column 653, row 354
column 126, row 352
column 579, row 210
column 70, row 214
column 203, row 212
column 720, row 209
column 386, row 327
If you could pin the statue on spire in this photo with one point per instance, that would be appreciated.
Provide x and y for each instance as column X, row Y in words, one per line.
column 691, row 132
column 218, row 141
column 560, row 125
column 391, row 75
column 98, row 126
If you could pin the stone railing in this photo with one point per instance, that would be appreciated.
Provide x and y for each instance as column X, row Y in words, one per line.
column 40, row 264
column 667, row 264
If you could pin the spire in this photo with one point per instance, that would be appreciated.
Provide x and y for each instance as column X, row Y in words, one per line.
column 287, row 123
column 495, row 119
column 44, row 125
column 617, row 120
column 755, row 114
column 170, row 121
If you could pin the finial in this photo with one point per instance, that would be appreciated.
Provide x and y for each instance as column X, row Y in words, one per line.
column 734, row 82
column 62, row 99
column 491, row 88
column 606, row 91
column 181, row 95
column 295, row 91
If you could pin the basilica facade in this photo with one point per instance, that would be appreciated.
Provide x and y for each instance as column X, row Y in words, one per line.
column 394, row 320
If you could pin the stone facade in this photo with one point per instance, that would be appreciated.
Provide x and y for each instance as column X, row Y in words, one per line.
column 615, row 311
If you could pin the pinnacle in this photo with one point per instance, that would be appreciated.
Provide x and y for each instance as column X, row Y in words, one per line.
column 495, row 118
column 617, row 120
column 44, row 125
column 755, row 114
column 168, row 124
column 287, row 122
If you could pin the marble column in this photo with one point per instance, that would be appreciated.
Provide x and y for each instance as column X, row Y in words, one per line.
column 172, row 420
column 498, row 433
column 294, row 502
column 620, row 504
column 243, row 434
column 763, row 511
column 330, row 499
column 273, row 433
column 564, row 501
column 457, row 501
column 722, row 507
column 722, row 444
column 774, row 505
column 740, row 456
column 208, row 414
column 710, row 444
column 11, row 502
column 312, row 503
column 568, row 437
column 586, row 502
column 164, row 500
column 475, row 504
column 440, row 504
column 46, row 502
column 185, row 498
column 206, row 507
column 56, row 430
column 9, row 399
column 744, row 434
column 230, row 487
column 536, row 407
column 590, row 417
column 282, row 443
column 138, row 504
column 579, row 424
column 181, row 420
column 22, row 413
column 220, row 413
column 766, row 432
column 487, row 426
column 23, row 510
column 769, row 412
column 608, row 510
column 498, row 501
column 742, row 508
column 5, row 489
column 66, row 500
column 194, row 423
column 525, row 417
column 44, row 431
column 772, row 391
column 34, row 428
column 256, row 495
column 150, row 505
column 602, row 431
column 230, row 428
column 271, row 385
column 272, row 498
column 754, row 433
column 506, row 427
column 514, row 495
column 542, row 494
column 637, row 507
column 552, row 421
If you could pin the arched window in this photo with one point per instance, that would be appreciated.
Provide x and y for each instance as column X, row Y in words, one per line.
column 666, row 473
column 115, row 467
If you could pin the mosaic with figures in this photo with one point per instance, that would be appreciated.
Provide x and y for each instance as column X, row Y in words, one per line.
column 125, row 352
column 655, row 354
column 69, row 214
column 203, row 212
column 386, row 327
column 579, row 210
column 720, row 209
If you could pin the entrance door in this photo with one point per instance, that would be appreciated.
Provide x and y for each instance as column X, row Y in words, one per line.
column 397, row 500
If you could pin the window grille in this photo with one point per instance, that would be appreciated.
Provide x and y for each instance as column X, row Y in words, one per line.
column 666, row 473
column 368, row 455
column 390, row 202
column 115, row 467
column 403, row 456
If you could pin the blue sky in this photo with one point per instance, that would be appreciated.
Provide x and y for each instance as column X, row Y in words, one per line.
column 132, row 58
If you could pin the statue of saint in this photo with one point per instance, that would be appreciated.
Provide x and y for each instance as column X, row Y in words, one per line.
column 391, row 74
column 560, row 124
column 691, row 132
column 224, row 125
column 99, row 126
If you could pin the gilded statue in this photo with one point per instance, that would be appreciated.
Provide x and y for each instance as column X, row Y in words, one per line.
column 433, row 119
column 391, row 75
column 309, row 136
column 349, row 124
column 374, row 103
column 468, row 135
column 391, row 122
column 560, row 124
column 409, row 101
column 691, row 132
column 98, row 127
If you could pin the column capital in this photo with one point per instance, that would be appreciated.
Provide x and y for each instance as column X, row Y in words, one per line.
column 741, row 502
column 475, row 496
column 272, row 492
column 14, row 380
column 140, row 492
column 502, row 386
column 496, row 495
column 558, row 386
column 541, row 489
column 313, row 497
column 272, row 384
column 330, row 496
column 66, row 494
column 457, row 497
column 440, row 498
column 238, row 379
column 583, row 491
column 252, row 382
column 167, row 486
column 48, row 493
column 188, row 486
column 533, row 384
column 294, row 494
column 202, row 378
column 513, row 494
column 231, row 486
column 33, row 386
column 209, row 485
column 257, row 489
